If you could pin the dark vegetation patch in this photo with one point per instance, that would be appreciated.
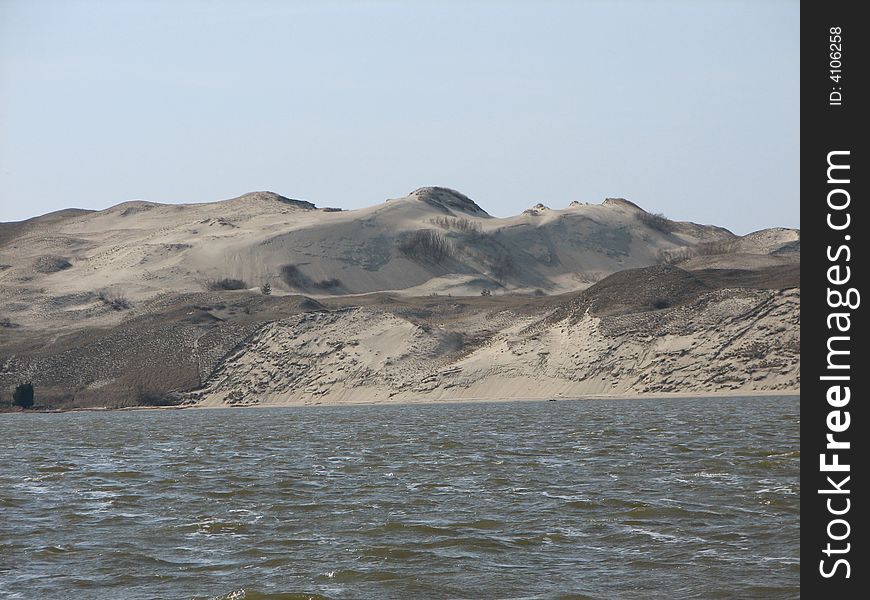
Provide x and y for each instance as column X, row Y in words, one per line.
column 665, row 286
column 656, row 221
column 769, row 278
column 425, row 245
column 461, row 224
column 23, row 395
column 226, row 284
column 492, row 254
column 152, row 397
column 649, row 288
column 51, row 264
column 295, row 278
column 500, row 263
column 114, row 300
column 680, row 255
column 170, row 346
column 788, row 248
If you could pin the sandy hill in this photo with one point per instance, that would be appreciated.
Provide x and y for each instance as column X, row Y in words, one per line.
column 434, row 240
column 145, row 302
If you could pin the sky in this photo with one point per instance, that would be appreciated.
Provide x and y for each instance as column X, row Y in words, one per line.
column 686, row 108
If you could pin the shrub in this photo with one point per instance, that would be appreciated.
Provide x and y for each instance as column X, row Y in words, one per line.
column 266, row 289
column 461, row 224
column 226, row 284
column 656, row 221
column 714, row 248
column 23, row 395
column 114, row 300
column 425, row 244
column 673, row 257
column 295, row 278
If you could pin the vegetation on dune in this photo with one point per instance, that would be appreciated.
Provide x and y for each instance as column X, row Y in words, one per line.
column 461, row 224
column 656, row 221
column 114, row 300
column 425, row 245
column 51, row 264
column 679, row 255
column 226, row 284
column 295, row 278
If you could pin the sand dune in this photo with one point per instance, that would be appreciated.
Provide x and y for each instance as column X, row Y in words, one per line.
column 144, row 300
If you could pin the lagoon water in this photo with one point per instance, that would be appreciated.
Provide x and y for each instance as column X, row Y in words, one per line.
column 676, row 498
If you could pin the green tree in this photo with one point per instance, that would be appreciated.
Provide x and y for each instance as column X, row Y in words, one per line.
column 23, row 395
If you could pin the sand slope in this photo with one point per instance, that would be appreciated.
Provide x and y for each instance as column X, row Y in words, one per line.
column 719, row 340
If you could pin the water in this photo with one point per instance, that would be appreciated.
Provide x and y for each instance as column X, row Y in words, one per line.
column 688, row 498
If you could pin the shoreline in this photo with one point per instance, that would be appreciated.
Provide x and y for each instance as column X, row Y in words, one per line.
column 426, row 401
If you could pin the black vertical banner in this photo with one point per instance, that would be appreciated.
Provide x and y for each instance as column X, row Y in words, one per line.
column 834, row 368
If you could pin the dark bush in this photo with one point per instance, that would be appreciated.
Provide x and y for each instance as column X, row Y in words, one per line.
column 714, row 248
column 461, row 224
column 425, row 244
column 679, row 255
column 656, row 221
column 114, row 300
column 295, row 278
column 226, row 284
column 23, row 395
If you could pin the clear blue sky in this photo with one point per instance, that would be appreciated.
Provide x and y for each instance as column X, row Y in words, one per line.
column 686, row 107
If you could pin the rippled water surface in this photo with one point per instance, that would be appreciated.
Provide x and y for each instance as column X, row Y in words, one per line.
column 689, row 498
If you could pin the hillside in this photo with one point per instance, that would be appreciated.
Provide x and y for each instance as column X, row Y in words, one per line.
column 145, row 303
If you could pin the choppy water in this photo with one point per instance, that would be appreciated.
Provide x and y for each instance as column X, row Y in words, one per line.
column 694, row 498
